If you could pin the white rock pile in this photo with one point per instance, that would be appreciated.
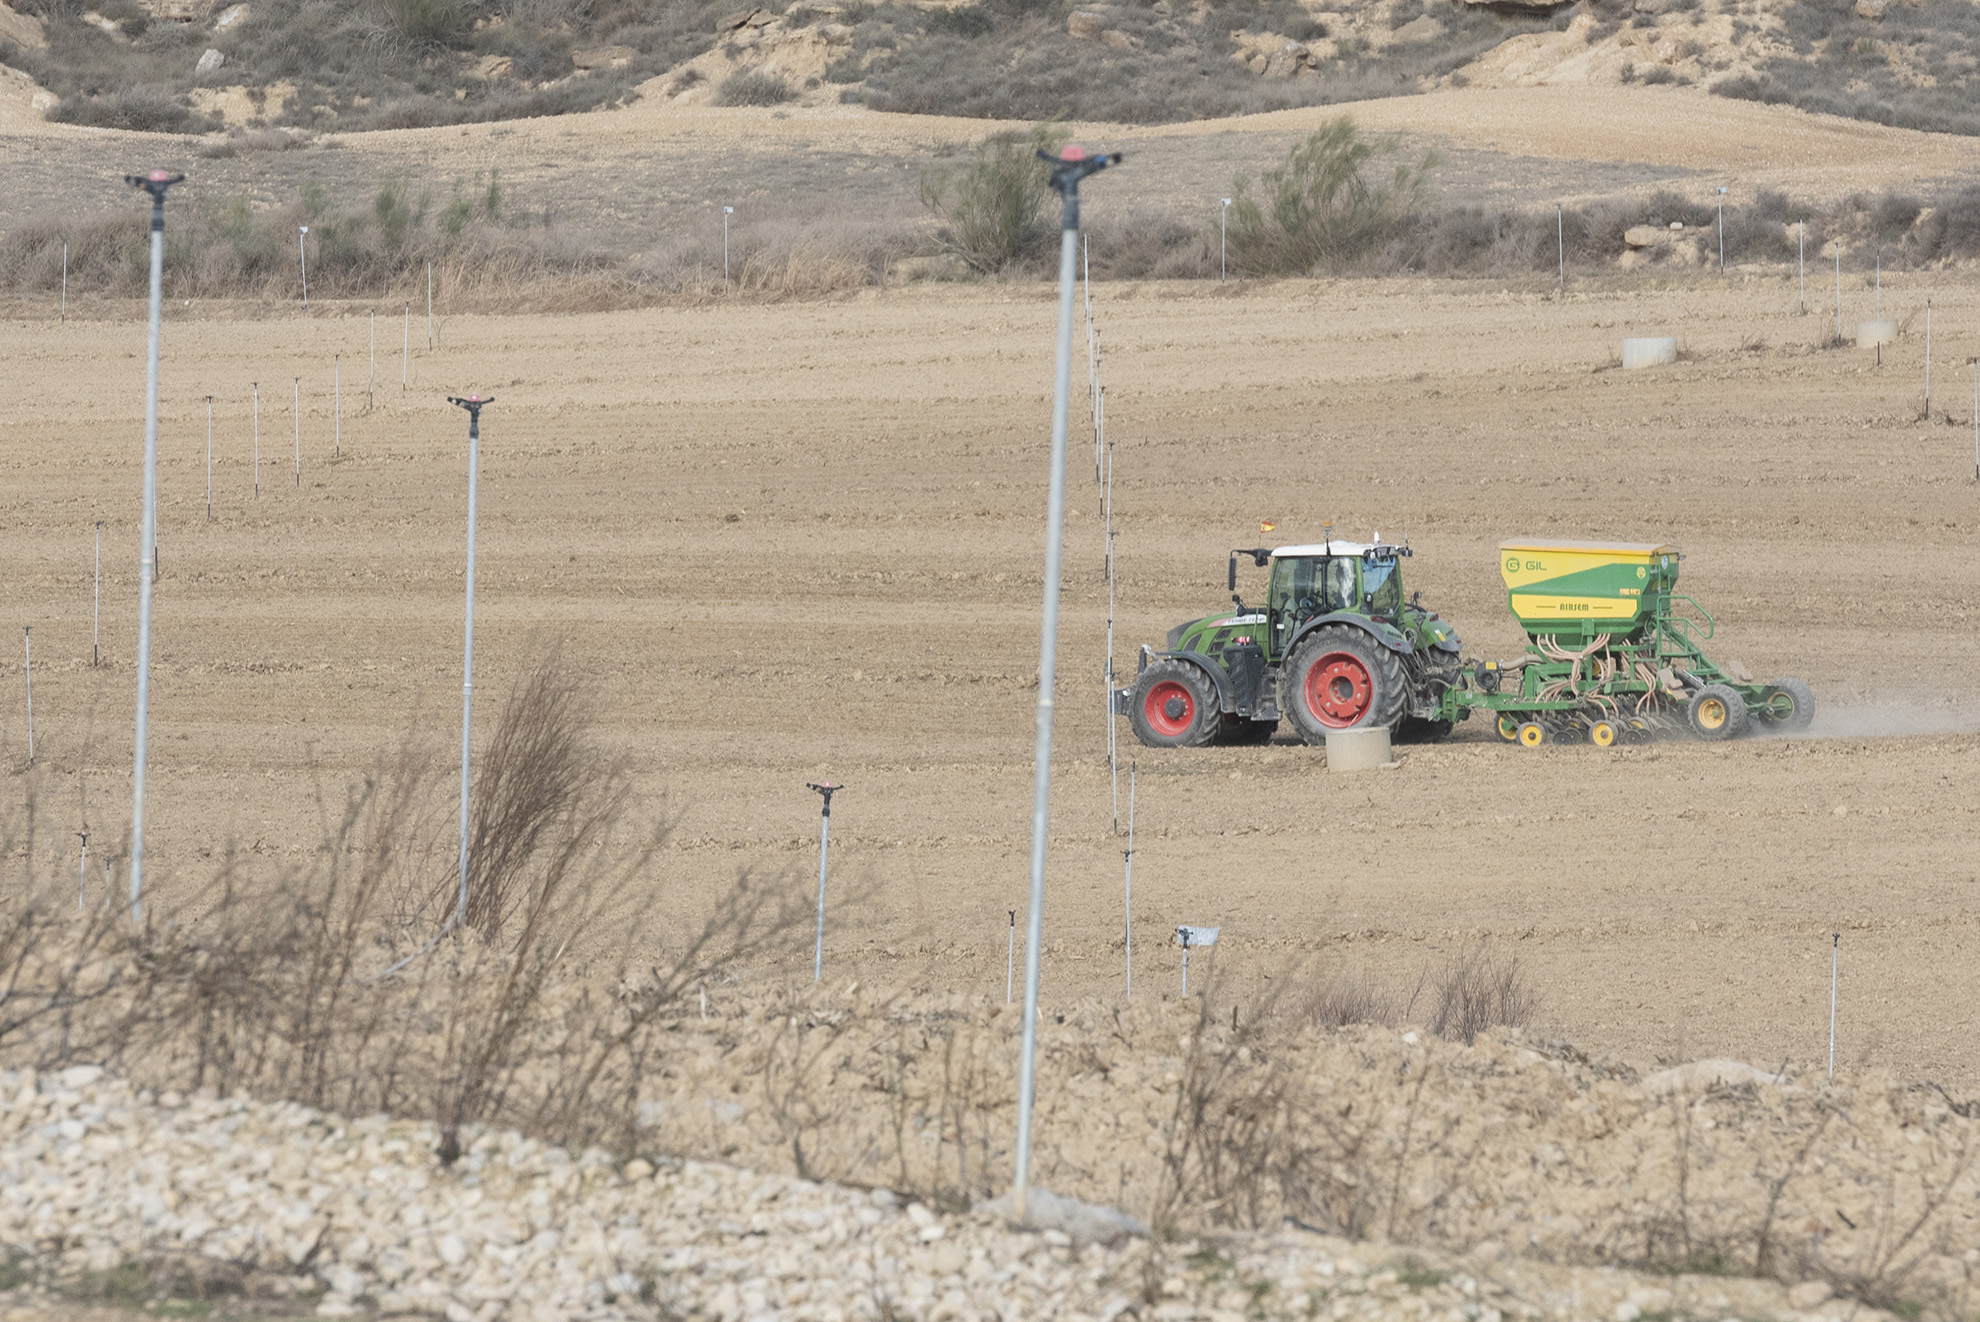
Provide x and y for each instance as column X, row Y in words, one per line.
column 361, row 1216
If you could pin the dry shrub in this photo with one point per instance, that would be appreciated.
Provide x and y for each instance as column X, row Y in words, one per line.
column 991, row 207
column 1320, row 211
column 753, row 88
column 1480, row 990
column 338, row 983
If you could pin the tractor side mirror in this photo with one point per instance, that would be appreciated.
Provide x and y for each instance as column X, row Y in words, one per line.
column 1232, row 585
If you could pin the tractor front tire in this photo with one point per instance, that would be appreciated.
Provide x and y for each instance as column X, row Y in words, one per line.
column 1717, row 712
column 1790, row 705
column 1174, row 706
column 1341, row 679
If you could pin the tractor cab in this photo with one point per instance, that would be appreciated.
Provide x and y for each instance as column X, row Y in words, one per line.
column 1330, row 578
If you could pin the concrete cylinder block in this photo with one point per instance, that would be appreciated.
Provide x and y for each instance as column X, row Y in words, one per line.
column 1870, row 334
column 1650, row 352
column 1358, row 750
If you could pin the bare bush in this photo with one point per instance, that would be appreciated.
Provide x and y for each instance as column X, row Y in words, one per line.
column 1478, row 991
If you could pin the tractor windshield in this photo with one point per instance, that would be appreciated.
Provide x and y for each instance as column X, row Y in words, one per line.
column 1311, row 586
column 1381, row 588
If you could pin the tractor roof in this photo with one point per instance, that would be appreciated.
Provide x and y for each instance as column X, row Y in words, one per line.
column 1355, row 549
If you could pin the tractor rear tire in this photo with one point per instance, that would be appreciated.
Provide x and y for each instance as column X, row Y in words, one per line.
column 1717, row 712
column 1799, row 713
column 1174, row 706
column 1341, row 679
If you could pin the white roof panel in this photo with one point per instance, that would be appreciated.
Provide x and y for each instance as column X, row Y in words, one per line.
column 1326, row 548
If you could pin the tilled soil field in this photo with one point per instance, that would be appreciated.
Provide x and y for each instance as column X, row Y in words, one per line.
column 790, row 542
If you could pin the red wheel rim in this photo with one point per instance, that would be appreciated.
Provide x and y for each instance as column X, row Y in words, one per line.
column 1155, row 708
column 1338, row 690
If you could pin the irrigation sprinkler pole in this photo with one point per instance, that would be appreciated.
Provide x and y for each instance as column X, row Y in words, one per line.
column 1560, row 242
column 473, row 404
column 209, row 458
column 1113, row 742
column 429, row 306
column 1722, row 230
column 27, row 644
column 257, row 439
column 1835, row 956
column 295, row 412
column 726, row 213
column 371, row 391
column 1010, row 959
column 82, row 872
column 1839, row 289
column 1880, row 290
column 65, row 280
column 1185, row 946
column 826, row 790
column 1976, row 418
column 96, row 623
column 1224, row 242
column 1801, row 261
column 154, row 183
column 1092, row 363
column 337, row 404
column 1068, row 168
column 1127, row 887
column 1928, row 360
column 405, row 352
column 302, row 254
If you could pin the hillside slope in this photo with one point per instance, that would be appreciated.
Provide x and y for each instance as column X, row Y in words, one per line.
column 198, row 65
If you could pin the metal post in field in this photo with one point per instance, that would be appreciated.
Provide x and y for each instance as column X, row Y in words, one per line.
column 1127, row 886
column 155, row 183
column 1835, row 956
column 473, row 404
column 27, row 644
column 371, row 390
column 826, row 791
column 1976, row 418
column 65, row 280
column 302, row 255
column 405, row 352
column 1880, row 288
column 209, row 458
column 726, row 213
column 1068, row 168
column 1839, row 333
column 1801, row 261
column 96, row 624
column 1224, row 242
column 429, row 307
column 1113, row 742
column 257, row 439
column 295, row 411
column 337, row 404
column 1010, row 958
column 1928, row 360
column 82, row 871
column 1722, row 230
column 1560, row 242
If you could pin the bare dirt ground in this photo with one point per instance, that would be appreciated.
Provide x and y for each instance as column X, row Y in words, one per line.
column 804, row 540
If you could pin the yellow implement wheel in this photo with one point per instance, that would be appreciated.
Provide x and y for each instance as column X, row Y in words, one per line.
column 1532, row 735
column 1602, row 734
column 1508, row 729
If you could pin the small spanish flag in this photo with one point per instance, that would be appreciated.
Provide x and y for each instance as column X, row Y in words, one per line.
column 1266, row 525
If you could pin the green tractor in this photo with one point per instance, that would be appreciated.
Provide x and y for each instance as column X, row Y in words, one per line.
column 1614, row 654
column 1335, row 647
